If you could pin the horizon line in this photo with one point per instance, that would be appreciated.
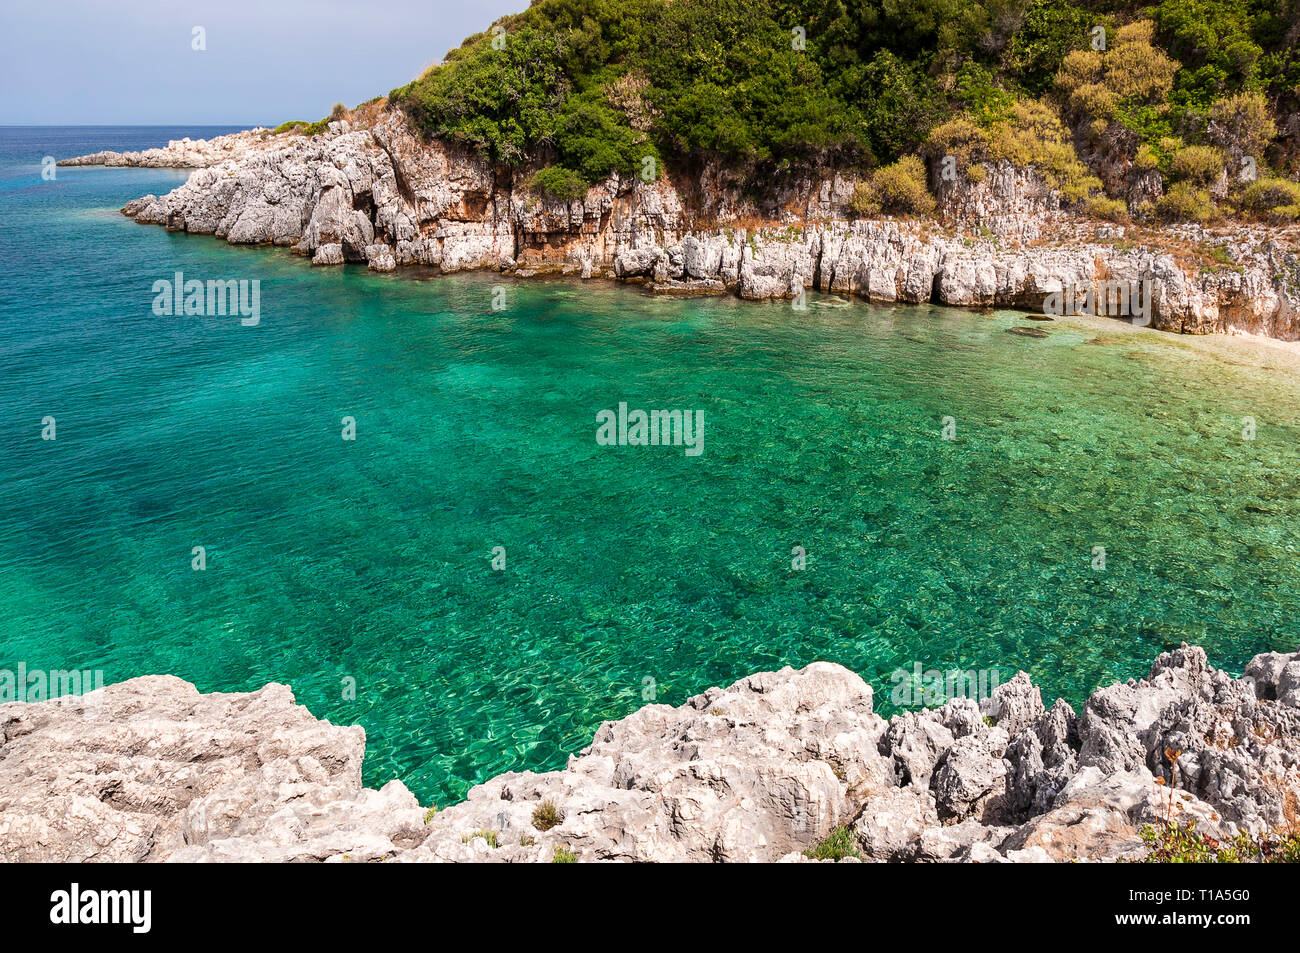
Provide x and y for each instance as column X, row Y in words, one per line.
column 100, row 125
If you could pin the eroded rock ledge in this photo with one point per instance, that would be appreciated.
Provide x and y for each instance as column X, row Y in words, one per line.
column 151, row 770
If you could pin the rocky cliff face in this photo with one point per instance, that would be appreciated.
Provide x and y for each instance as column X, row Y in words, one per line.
column 150, row 769
column 382, row 196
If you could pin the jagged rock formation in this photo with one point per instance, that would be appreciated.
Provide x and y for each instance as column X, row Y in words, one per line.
column 382, row 196
column 184, row 153
column 149, row 769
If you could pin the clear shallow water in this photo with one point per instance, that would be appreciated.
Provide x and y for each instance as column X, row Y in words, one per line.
column 330, row 560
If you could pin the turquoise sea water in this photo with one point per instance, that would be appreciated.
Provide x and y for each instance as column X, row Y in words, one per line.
column 330, row 560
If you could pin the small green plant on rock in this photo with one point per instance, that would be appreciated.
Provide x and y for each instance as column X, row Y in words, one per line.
column 546, row 815
column 1170, row 841
column 1175, row 843
column 489, row 836
column 837, row 845
column 563, row 855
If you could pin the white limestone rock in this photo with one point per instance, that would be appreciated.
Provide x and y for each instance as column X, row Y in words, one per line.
column 760, row 771
column 440, row 204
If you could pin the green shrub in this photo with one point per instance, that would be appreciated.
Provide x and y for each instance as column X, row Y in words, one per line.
column 837, row 845
column 1146, row 159
column 1130, row 73
column 1048, row 30
column 1199, row 164
column 725, row 79
column 546, row 815
column 1241, row 123
column 1184, row 202
column 1099, row 206
column 1272, row 198
column 594, row 139
column 901, row 104
column 977, row 90
column 501, row 102
column 1033, row 135
column 901, row 187
column 1218, row 257
column 563, row 855
column 865, row 203
column 298, row 127
column 1212, row 39
column 559, row 183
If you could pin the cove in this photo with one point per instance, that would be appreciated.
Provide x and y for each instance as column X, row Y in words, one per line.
column 333, row 563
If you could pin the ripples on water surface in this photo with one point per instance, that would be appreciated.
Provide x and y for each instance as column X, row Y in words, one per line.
column 370, row 560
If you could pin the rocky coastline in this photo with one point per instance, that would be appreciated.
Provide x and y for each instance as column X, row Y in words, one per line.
column 381, row 195
column 184, row 153
column 763, row 770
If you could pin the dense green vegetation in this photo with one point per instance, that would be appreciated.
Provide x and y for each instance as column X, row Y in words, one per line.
column 583, row 88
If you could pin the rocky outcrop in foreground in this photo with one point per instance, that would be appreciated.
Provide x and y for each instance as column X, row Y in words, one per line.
column 151, row 770
column 383, row 196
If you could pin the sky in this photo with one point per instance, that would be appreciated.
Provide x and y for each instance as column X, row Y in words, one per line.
column 132, row 62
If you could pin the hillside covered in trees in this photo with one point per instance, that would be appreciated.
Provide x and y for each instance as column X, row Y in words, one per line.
column 1184, row 109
